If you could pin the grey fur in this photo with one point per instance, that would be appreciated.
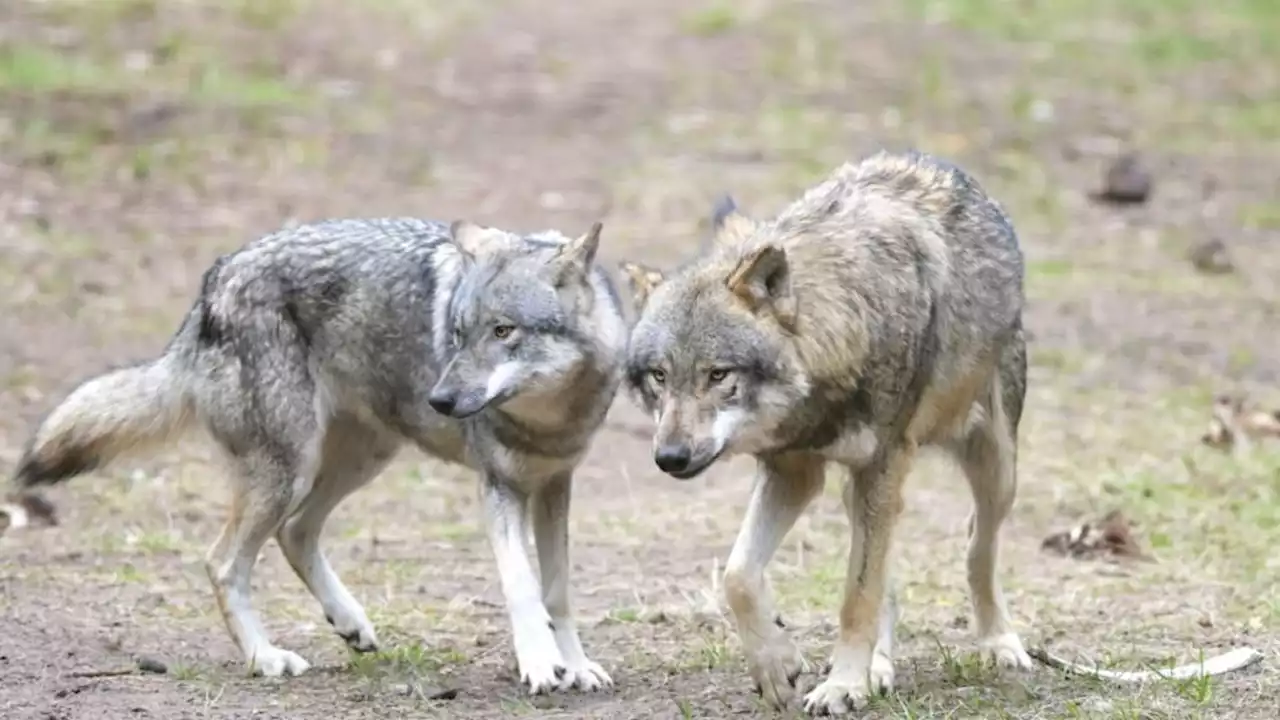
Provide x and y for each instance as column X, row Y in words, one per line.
column 879, row 313
column 313, row 353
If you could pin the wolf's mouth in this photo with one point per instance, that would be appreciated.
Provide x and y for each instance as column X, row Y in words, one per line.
column 466, row 413
column 696, row 468
column 465, row 409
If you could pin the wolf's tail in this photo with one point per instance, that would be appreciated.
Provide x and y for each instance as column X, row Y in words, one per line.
column 108, row 416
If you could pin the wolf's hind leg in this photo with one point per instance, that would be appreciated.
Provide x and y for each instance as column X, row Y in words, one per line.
column 263, row 415
column 551, row 536
column 989, row 459
column 262, row 494
column 352, row 455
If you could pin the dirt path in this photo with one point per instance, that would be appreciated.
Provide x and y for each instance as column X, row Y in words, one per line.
column 139, row 139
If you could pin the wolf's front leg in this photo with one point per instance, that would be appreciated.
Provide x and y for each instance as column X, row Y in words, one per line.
column 862, row 661
column 551, row 535
column 784, row 488
column 541, row 663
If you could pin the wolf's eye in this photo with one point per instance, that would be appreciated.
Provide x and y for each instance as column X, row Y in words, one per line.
column 658, row 376
column 503, row 332
column 717, row 375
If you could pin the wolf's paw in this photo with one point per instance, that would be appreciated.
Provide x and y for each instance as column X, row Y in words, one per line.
column 775, row 668
column 585, row 675
column 357, row 632
column 848, row 691
column 881, row 673
column 1005, row 651
column 270, row 661
column 541, row 665
column 836, row 697
column 542, row 675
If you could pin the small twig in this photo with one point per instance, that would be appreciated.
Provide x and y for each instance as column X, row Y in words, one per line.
column 143, row 666
column 103, row 673
column 1237, row 659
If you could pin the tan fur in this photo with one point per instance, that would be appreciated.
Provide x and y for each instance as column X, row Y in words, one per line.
column 946, row 413
column 478, row 240
column 879, row 504
column 642, row 280
column 826, row 338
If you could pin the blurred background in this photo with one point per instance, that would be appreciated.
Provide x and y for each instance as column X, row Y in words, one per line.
column 1134, row 143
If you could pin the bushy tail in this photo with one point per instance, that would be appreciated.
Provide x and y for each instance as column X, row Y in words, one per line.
column 106, row 417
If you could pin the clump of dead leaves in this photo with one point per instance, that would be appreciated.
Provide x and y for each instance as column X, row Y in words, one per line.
column 1111, row 537
column 1235, row 427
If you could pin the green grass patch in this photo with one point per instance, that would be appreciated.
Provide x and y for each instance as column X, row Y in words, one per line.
column 411, row 659
column 188, row 72
column 1208, row 516
column 212, row 83
column 266, row 14
column 1157, row 35
column 713, row 20
column 800, row 52
column 1133, row 50
column 31, row 69
column 1261, row 216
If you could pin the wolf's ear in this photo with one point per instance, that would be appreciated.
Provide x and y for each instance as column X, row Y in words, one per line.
column 762, row 280
column 577, row 255
column 473, row 239
column 728, row 224
column 643, row 281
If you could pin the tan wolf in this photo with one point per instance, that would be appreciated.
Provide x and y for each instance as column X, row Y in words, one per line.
column 878, row 314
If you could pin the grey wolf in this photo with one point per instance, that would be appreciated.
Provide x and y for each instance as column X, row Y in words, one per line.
column 313, row 354
column 879, row 313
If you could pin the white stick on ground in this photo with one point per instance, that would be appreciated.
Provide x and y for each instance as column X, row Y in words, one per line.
column 1237, row 659
column 13, row 516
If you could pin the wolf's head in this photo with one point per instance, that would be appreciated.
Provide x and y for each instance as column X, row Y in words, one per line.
column 710, row 354
column 522, row 323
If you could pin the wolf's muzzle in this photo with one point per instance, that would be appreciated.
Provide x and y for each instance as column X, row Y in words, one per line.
column 673, row 458
column 443, row 402
column 681, row 462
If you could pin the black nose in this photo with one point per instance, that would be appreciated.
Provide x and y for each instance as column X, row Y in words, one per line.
column 673, row 458
column 443, row 403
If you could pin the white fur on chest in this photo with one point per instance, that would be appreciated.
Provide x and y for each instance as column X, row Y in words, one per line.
column 524, row 471
column 855, row 448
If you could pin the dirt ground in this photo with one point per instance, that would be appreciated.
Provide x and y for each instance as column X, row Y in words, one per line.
column 139, row 139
